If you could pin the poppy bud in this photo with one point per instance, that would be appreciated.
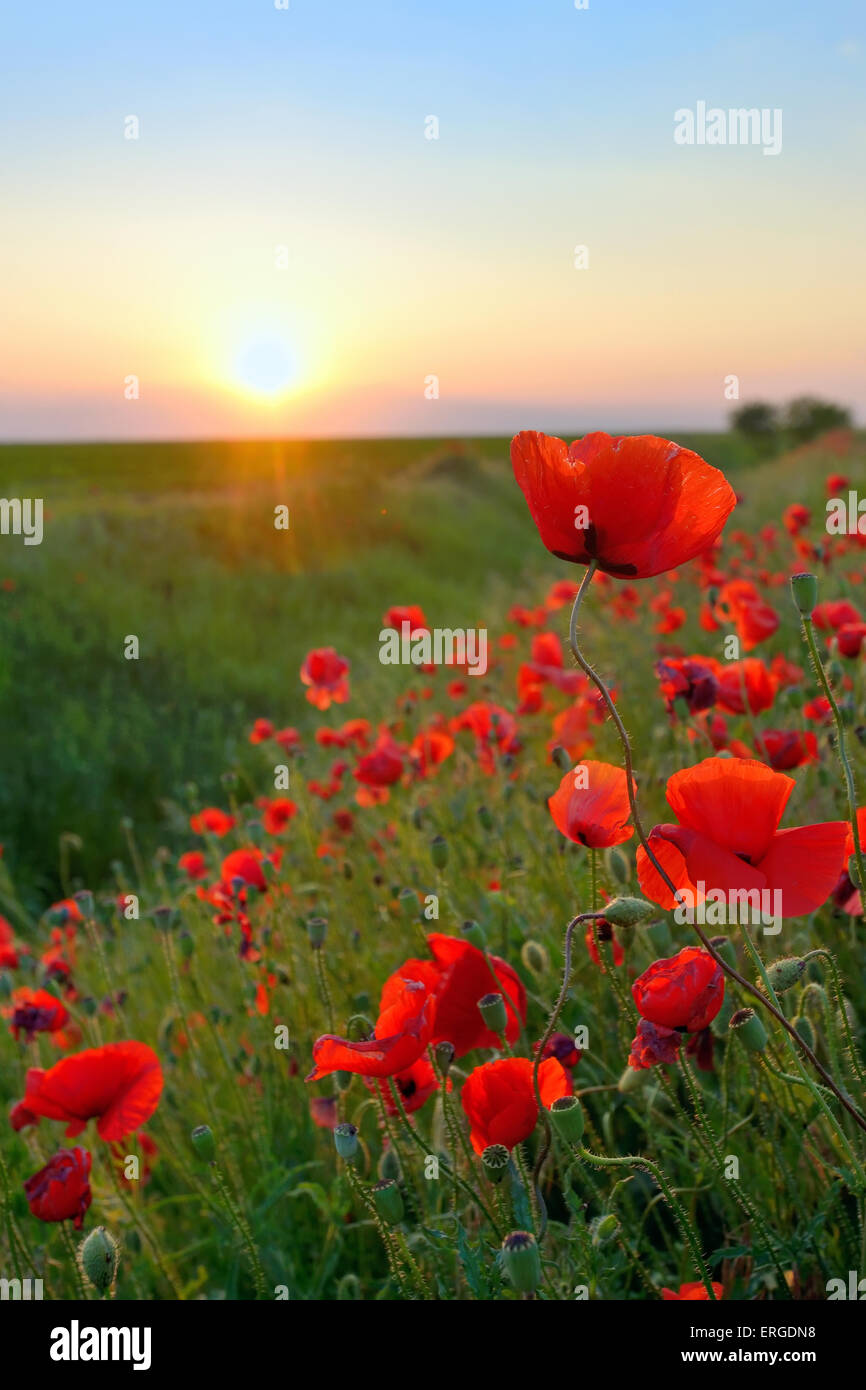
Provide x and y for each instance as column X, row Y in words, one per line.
column 835, row 672
column 5, row 984
column 444, row 1054
column 521, row 1261
column 164, row 916
column 567, row 1118
column 804, row 1027
column 784, row 973
column 617, row 864
column 186, row 945
column 492, row 1009
column 496, row 1160
column 418, row 818
column 485, row 818
column 605, row 1228
column 348, row 871
column 439, row 851
column 97, row 1256
column 630, row 1080
column 203, row 1142
column 346, row 1141
column 474, row 933
column 343, row 1079
column 388, row 1202
column 84, row 899
column 535, row 957
column 804, row 589
column 749, row 1028
column 317, row 928
column 628, row 912
column 561, row 758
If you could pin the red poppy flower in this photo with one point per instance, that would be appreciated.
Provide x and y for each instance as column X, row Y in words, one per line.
column 428, row 749
column 796, row 517
column 690, row 679
column 66, row 911
column 401, row 1034
column 684, row 991
column 591, row 806
column 728, row 838
column 36, row 1011
column 277, row 814
column 383, row 765
column 211, row 821
column 747, row 681
column 411, row 614
column 849, row 638
column 118, row 1084
column 244, row 864
column 653, row 1046
column 637, row 505
column 786, row 749
column 693, row 1292
column 193, row 864
column 415, row 1086
column 561, row 1046
column 8, row 953
column 289, row 739
column 458, row 976
column 495, row 730
column 835, row 613
column 325, row 673
column 61, row 1190
column 261, row 731
column 740, row 603
column 498, row 1099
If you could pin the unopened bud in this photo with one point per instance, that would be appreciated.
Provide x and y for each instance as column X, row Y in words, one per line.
column 474, row 933
column 804, row 1027
column 535, row 957
column 561, row 758
column 439, row 851
column 97, row 1255
column 444, row 1054
column 485, row 819
column 204, row 1143
column 617, row 865
column 628, row 912
column 783, row 974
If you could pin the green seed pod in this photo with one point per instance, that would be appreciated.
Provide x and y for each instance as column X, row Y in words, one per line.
column 535, row 957
column 521, row 1261
column 567, row 1118
column 474, row 933
column 495, row 1161
column 343, row 1079
column 346, row 1141
column 804, row 591
column 783, row 974
column 439, row 851
column 485, row 819
column 444, row 1054
column 492, row 1009
column 561, row 758
column 408, row 900
column 628, row 912
column 750, row 1029
column 317, row 928
column 726, row 949
column 388, row 1202
column 97, row 1255
column 204, row 1143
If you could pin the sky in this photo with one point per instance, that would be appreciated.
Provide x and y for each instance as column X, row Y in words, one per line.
column 427, row 217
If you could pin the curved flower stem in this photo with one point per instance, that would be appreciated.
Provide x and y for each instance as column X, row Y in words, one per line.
column 544, row 1149
column 677, row 1209
column 841, row 744
column 729, row 970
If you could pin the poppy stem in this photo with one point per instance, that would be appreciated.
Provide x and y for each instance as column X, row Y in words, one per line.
column 729, row 970
column 841, row 743
column 676, row 1207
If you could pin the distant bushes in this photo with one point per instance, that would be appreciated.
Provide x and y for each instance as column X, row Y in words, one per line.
column 772, row 429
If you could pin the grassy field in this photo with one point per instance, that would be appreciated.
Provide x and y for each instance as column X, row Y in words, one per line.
column 176, row 545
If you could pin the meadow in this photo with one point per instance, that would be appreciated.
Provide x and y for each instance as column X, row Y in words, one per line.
column 199, row 857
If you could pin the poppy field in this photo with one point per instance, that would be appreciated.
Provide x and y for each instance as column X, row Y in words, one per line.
column 488, row 926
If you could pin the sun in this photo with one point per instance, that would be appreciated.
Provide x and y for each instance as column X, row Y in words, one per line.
column 265, row 365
